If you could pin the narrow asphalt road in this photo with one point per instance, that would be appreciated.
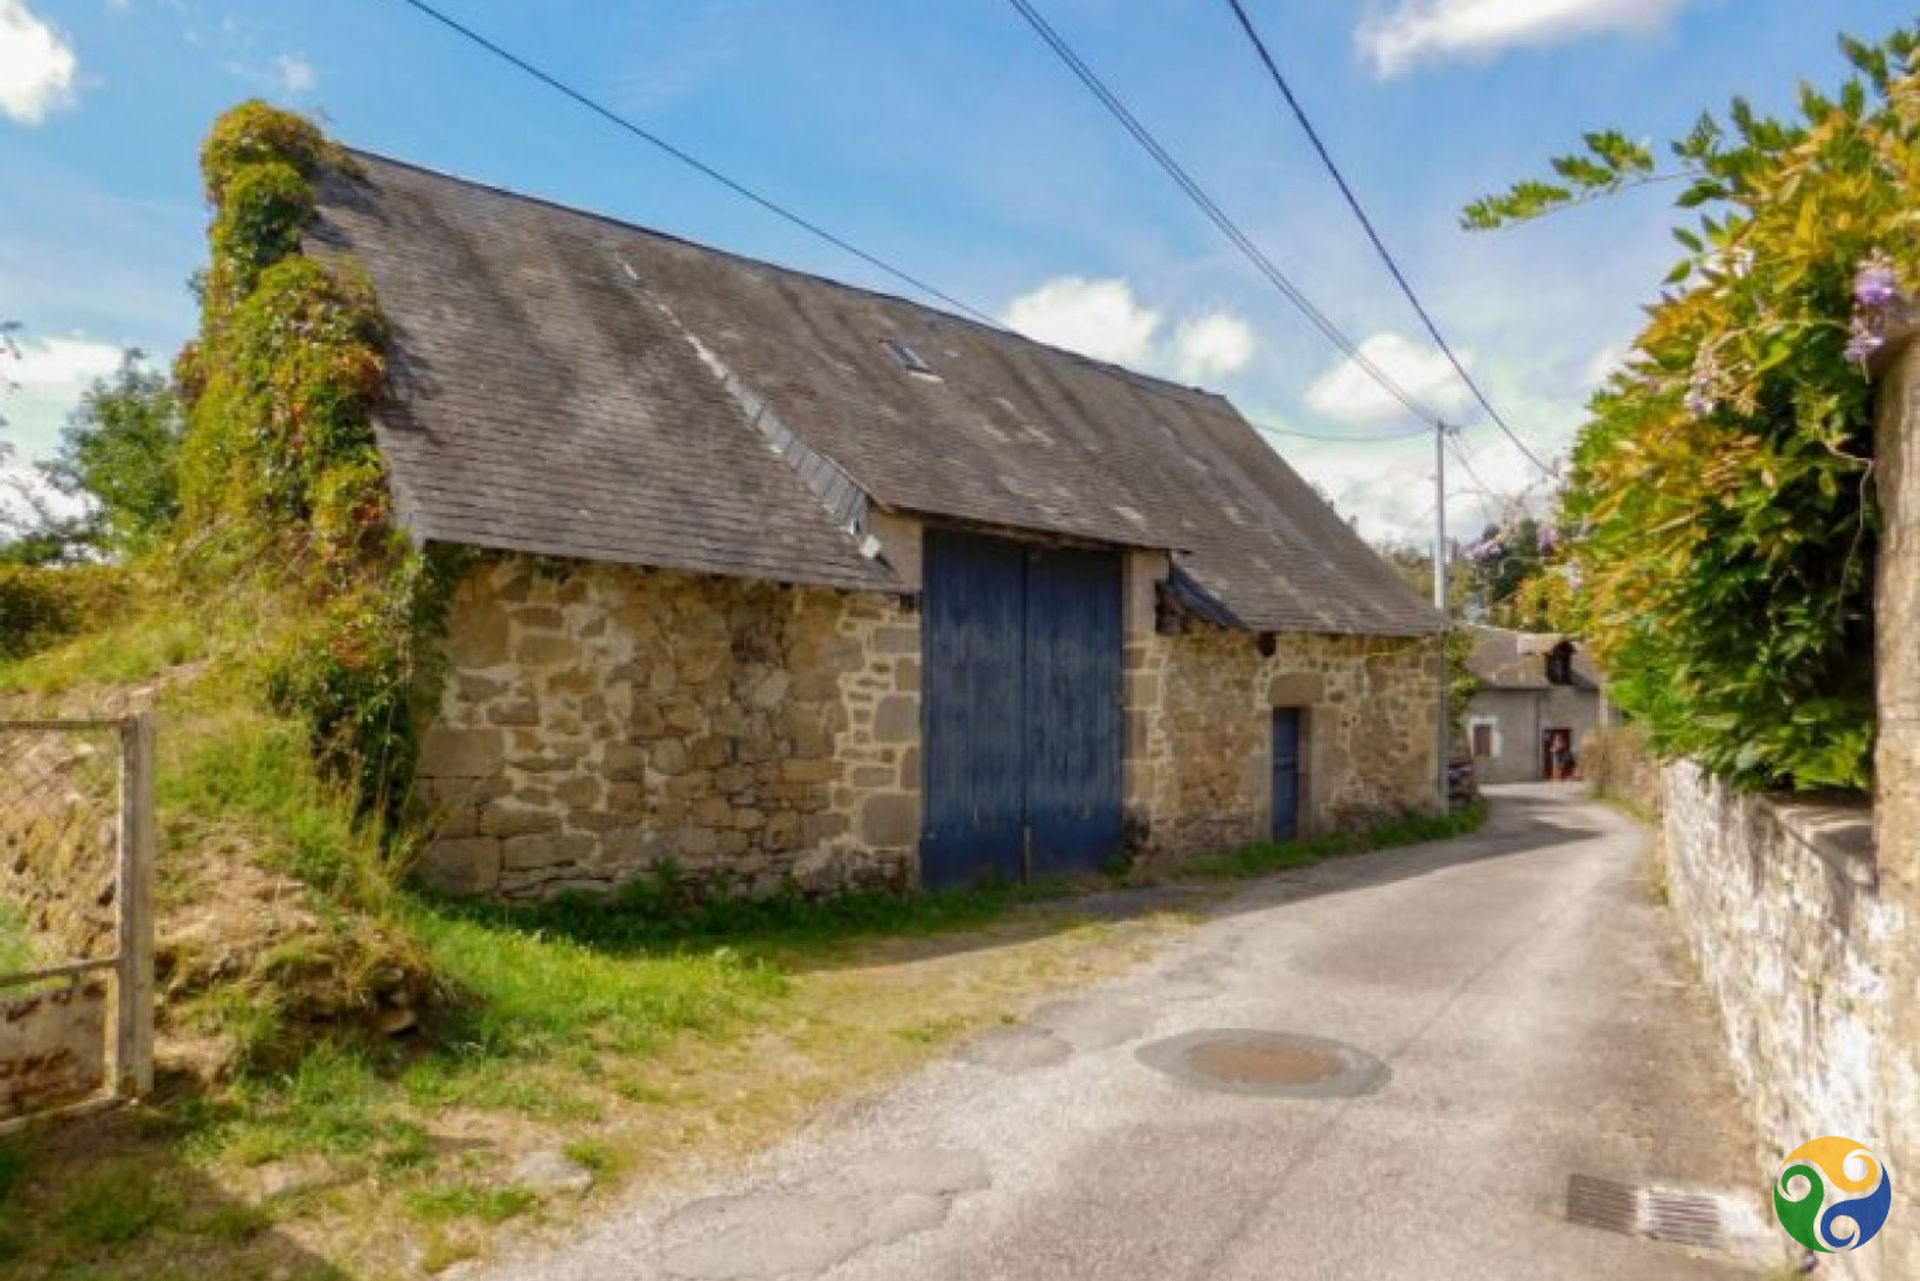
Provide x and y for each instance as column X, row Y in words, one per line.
column 1526, row 996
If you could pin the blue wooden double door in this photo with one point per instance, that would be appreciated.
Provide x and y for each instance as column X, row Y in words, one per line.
column 1021, row 693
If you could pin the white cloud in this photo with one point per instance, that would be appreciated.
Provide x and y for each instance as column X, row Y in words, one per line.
column 37, row 65
column 1416, row 31
column 54, row 362
column 1212, row 346
column 295, row 73
column 1347, row 393
column 1103, row 319
column 43, row 386
column 1098, row 318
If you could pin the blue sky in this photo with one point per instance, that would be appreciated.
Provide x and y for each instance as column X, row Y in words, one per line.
column 941, row 135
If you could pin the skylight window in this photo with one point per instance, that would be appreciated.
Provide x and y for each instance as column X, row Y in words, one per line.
column 909, row 358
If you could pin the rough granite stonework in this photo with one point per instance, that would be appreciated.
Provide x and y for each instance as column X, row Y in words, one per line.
column 1777, row 897
column 601, row 721
column 1199, row 748
column 1897, row 764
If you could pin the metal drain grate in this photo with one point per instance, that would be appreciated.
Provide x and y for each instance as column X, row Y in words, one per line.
column 1663, row 1214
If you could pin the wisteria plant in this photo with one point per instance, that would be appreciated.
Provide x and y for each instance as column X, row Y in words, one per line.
column 1719, row 504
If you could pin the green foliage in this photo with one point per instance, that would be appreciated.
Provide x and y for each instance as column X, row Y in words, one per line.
column 1502, row 562
column 281, row 468
column 40, row 605
column 1263, row 857
column 1462, row 684
column 17, row 952
column 1725, row 528
column 120, row 450
column 530, row 992
column 664, row 911
column 139, row 643
column 1611, row 162
column 333, row 1103
column 113, row 1204
column 486, row 1202
column 256, row 769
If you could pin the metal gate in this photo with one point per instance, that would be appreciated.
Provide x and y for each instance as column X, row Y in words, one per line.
column 76, row 915
column 1286, row 773
column 1022, row 712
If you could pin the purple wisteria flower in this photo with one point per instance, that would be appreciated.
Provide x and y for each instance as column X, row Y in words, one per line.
column 1863, row 339
column 1876, row 286
column 1487, row 552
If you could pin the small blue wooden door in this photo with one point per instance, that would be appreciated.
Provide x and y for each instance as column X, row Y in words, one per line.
column 1021, row 709
column 1286, row 774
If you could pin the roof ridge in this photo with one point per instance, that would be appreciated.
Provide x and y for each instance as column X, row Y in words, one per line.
column 1152, row 381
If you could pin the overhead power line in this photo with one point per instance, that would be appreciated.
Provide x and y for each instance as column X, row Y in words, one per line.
column 696, row 164
column 1379, row 245
column 768, row 203
column 1343, row 440
column 1217, row 216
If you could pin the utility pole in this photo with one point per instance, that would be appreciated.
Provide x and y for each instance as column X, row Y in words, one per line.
column 1445, row 717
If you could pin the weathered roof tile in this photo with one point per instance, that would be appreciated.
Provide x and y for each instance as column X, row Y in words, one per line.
column 571, row 385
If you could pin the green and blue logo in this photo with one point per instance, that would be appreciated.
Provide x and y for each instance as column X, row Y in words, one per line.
column 1832, row 1195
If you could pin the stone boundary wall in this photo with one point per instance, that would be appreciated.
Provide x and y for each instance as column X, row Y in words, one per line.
column 1897, row 754
column 601, row 722
column 1778, row 899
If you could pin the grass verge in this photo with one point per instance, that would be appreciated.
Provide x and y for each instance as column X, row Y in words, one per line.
column 1265, row 857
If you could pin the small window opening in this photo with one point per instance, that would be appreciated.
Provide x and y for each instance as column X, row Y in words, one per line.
column 909, row 358
column 1560, row 664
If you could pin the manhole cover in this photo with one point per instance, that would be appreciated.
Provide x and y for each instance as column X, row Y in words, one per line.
column 1249, row 1061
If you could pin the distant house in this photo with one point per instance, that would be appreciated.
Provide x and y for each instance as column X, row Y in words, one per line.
column 1532, row 686
column 791, row 583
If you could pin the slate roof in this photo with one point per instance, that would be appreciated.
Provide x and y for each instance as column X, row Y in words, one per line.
column 571, row 385
column 1506, row 659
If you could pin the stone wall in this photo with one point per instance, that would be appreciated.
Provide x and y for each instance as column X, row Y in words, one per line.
column 53, row 1046
column 602, row 721
column 1897, row 760
column 1777, row 897
column 1200, row 745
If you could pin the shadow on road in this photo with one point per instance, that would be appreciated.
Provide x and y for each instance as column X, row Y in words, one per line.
column 1521, row 821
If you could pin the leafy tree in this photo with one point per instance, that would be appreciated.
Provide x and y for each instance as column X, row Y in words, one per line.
column 1501, row 562
column 1719, row 497
column 121, row 451
column 119, row 461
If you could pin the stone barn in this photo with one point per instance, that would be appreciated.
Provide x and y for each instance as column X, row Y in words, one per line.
column 786, row 583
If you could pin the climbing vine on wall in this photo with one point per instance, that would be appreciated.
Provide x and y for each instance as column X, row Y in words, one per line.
column 1720, row 498
column 280, row 471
